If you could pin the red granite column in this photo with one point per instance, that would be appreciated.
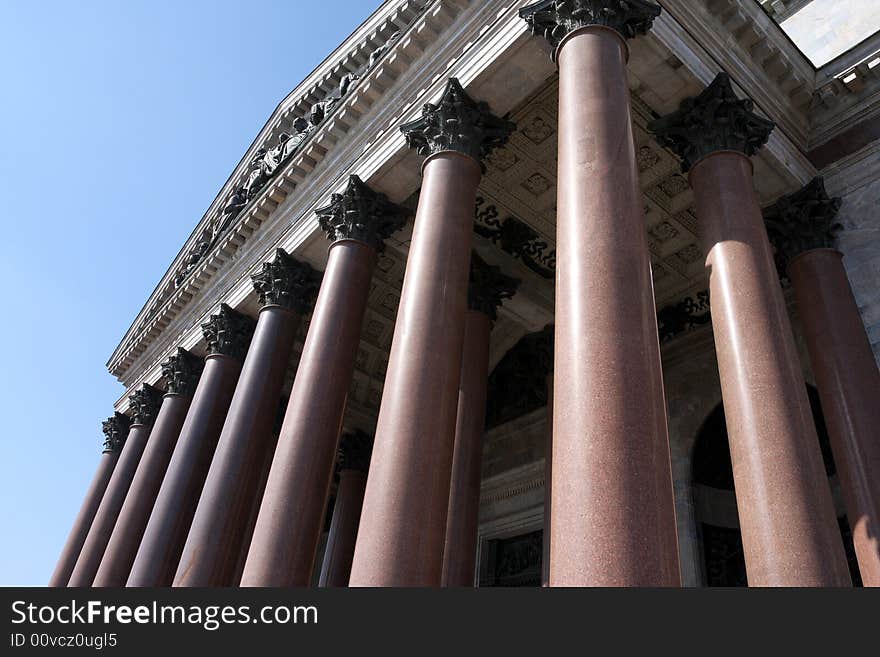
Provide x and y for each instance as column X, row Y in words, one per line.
column 843, row 362
column 181, row 373
column 215, row 538
column 354, row 460
column 548, row 486
column 228, row 334
column 789, row 529
column 487, row 289
column 291, row 518
column 401, row 534
column 144, row 404
column 612, row 484
column 116, row 428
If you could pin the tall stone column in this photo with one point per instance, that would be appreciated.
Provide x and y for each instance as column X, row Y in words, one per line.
column 181, row 373
column 227, row 334
column 487, row 288
column 144, row 405
column 401, row 535
column 801, row 227
column 286, row 288
column 115, row 432
column 611, row 464
column 354, row 462
column 291, row 518
column 548, row 486
column 789, row 529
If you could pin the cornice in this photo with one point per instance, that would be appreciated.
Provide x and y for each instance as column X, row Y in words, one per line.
column 162, row 307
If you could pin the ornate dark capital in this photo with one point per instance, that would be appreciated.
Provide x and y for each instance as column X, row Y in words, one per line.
column 115, row 430
column 716, row 120
column 228, row 333
column 556, row 19
column 144, row 404
column 287, row 282
column 803, row 221
column 488, row 287
column 181, row 372
column 361, row 214
column 457, row 123
column 354, row 451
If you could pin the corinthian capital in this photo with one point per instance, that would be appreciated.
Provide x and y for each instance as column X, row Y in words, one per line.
column 354, row 451
column 361, row 214
column 115, row 430
column 457, row 123
column 181, row 372
column 803, row 221
column 287, row 282
column 228, row 333
column 556, row 19
column 716, row 120
column 488, row 287
column 144, row 404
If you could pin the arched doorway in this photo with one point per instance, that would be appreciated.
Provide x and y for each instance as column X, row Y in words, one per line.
column 715, row 500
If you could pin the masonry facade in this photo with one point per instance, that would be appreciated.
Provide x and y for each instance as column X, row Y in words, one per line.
column 570, row 292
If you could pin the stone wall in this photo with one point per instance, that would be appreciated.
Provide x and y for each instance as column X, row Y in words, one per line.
column 856, row 179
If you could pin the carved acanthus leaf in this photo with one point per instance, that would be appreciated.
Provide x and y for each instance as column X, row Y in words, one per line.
column 360, row 213
column 555, row 19
column 181, row 372
column 488, row 287
column 144, row 404
column 716, row 120
column 803, row 221
column 287, row 282
column 457, row 123
column 115, row 430
column 228, row 333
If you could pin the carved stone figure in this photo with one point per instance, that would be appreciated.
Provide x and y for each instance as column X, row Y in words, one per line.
column 716, row 120
column 256, row 175
column 302, row 130
column 457, row 123
column 359, row 213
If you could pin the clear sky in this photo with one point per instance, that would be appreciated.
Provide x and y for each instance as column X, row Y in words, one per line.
column 119, row 122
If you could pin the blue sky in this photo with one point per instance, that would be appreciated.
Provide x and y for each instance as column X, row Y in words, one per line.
column 119, row 122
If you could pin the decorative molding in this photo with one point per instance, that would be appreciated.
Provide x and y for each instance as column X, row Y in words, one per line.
column 144, row 404
column 488, row 287
column 115, row 430
column 687, row 314
column 802, row 221
column 181, row 372
column 360, row 213
column 228, row 333
column 287, row 282
column 457, row 123
column 556, row 19
column 716, row 120
column 354, row 452
column 515, row 237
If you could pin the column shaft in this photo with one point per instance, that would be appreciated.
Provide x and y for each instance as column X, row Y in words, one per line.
column 611, row 465
column 168, row 525
column 339, row 552
column 135, row 512
column 789, row 529
column 291, row 517
column 77, row 537
column 460, row 549
column 215, row 538
column 849, row 388
column 400, row 540
column 108, row 511
column 548, row 486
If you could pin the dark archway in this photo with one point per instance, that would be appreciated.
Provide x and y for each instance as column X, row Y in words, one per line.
column 715, row 502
